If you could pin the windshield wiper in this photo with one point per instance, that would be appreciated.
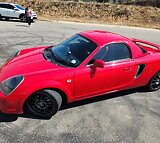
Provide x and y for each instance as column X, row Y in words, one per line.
column 49, row 55
column 65, row 62
column 54, row 58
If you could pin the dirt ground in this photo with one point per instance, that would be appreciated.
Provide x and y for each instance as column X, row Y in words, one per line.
column 92, row 12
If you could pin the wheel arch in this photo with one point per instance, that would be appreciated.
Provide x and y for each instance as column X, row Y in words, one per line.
column 64, row 92
column 152, row 74
column 22, row 14
column 61, row 92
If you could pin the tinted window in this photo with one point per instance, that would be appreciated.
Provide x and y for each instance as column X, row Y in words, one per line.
column 20, row 7
column 112, row 52
column 3, row 5
column 74, row 51
column 10, row 7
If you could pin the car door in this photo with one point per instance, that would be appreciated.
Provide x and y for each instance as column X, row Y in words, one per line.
column 3, row 9
column 118, row 72
column 13, row 11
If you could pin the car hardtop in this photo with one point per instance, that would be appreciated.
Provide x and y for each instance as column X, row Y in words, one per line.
column 13, row 4
column 104, row 37
column 7, row 3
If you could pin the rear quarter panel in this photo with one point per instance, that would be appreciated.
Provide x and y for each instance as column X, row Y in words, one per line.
column 152, row 62
column 155, row 62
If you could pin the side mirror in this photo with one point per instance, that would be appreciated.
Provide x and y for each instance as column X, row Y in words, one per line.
column 98, row 64
column 16, row 9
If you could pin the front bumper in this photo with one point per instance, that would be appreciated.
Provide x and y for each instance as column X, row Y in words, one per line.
column 11, row 104
column 34, row 16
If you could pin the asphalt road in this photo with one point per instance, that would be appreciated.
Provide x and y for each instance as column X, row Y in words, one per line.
column 130, row 117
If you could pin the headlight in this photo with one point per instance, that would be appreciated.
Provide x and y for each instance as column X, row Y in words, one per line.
column 10, row 84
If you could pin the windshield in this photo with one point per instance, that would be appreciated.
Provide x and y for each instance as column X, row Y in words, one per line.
column 73, row 51
column 20, row 7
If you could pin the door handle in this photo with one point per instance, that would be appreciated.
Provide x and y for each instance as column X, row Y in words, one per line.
column 127, row 69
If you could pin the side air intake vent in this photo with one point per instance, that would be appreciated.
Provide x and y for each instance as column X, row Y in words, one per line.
column 140, row 69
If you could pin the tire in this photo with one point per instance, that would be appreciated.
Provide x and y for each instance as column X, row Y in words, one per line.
column 0, row 17
column 23, row 18
column 44, row 104
column 154, row 83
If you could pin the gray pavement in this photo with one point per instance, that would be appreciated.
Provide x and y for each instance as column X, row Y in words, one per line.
column 126, row 117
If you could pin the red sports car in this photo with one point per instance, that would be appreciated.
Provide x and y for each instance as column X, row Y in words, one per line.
column 86, row 65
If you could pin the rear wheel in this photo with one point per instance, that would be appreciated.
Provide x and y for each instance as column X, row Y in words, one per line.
column 0, row 17
column 44, row 103
column 154, row 83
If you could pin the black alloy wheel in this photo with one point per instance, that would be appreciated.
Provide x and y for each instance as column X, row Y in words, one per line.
column 154, row 83
column 44, row 103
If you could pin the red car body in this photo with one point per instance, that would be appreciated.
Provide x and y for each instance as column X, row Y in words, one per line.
column 83, row 81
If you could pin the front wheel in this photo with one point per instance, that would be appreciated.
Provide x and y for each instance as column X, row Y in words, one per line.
column 44, row 103
column 154, row 83
column 23, row 18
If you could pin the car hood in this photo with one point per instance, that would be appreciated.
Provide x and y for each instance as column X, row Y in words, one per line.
column 28, row 62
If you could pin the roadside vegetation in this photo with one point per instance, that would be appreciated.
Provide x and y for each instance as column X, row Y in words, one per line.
column 155, row 3
column 96, row 12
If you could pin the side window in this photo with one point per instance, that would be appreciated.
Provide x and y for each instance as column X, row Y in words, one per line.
column 10, row 7
column 113, row 52
column 3, row 6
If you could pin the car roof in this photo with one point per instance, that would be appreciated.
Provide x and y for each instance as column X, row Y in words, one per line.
column 7, row 3
column 104, row 37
